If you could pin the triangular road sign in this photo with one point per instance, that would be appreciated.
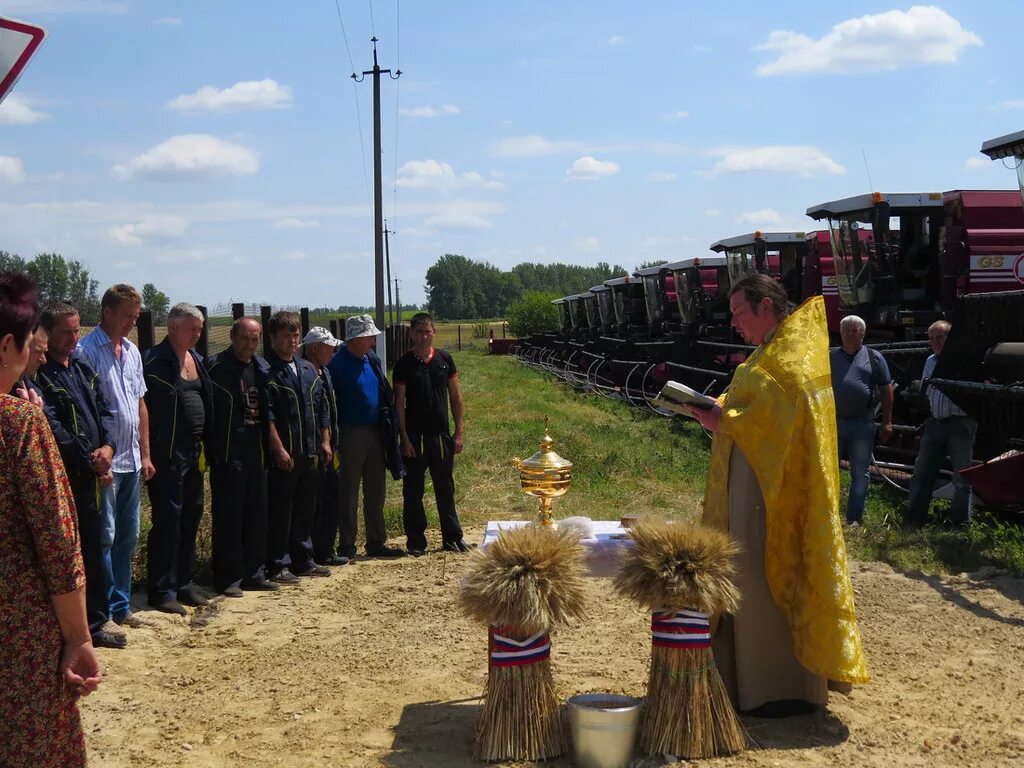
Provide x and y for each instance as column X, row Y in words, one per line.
column 18, row 41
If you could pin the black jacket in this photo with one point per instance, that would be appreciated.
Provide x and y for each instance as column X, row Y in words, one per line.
column 388, row 421
column 298, row 406
column 67, row 411
column 226, row 377
column 167, row 443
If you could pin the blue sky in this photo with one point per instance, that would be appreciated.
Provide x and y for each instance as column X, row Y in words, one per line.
column 213, row 147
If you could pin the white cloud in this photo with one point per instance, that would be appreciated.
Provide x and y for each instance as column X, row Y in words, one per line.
column 712, row 212
column 17, row 110
column 977, row 162
column 763, row 218
column 422, row 174
column 590, row 168
column 170, row 21
column 296, row 256
column 661, row 176
column 588, row 244
column 885, row 41
column 680, row 115
column 444, row 109
column 616, row 40
column 248, row 95
column 32, row 7
column 461, row 214
column 152, row 227
column 1011, row 104
column 293, row 223
column 797, row 159
column 11, row 170
column 534, row 146
column 190, row 157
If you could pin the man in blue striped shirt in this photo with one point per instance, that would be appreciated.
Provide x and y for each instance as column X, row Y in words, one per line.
column 947, row 432
column 119, row 365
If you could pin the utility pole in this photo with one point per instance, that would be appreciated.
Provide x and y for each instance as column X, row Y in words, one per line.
column 387, row 260
column 378, row 197
column 398, row 302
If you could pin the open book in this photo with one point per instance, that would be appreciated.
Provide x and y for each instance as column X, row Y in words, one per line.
column 674, row 396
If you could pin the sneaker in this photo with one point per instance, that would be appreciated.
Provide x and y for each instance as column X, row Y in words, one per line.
column 133, row 620
column 284, row 576
column 192, row 596
column 332, row 560
column 233, row 591
column 170, row 606
column 315, row 570
column 261, row 585
column 112, row 627
column 385, row 551
column 417, row 552
column 456, row 546
column 104, row 639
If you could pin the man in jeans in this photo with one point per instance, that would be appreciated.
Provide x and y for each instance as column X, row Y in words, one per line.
column 365, row 402
column 119, row 365
column 859, row 375
column 947, row 432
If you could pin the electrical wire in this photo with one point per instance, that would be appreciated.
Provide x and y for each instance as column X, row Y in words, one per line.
column 398, row 92
column 374, row 31
column 359, row 115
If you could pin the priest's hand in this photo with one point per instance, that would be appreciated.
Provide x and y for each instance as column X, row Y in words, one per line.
column 709, row 418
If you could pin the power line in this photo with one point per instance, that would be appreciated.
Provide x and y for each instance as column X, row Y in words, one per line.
column 374, row 31
column 398, row 96
column 355, row 94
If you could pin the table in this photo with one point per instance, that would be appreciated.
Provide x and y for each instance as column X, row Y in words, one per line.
column 602, row 552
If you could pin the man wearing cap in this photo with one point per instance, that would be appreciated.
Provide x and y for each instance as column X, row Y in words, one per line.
column 318, row 347
column 300, row 439
column 367, row 437
column 238, row 462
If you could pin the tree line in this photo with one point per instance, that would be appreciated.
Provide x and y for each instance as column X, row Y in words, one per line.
column 68, row 280
column 461, row 288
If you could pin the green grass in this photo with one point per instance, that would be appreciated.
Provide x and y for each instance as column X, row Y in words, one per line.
column 628, row 461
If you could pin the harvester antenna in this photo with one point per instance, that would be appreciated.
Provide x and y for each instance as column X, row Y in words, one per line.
column 867, row 170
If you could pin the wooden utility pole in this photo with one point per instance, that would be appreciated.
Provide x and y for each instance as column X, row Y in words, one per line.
column 378, row 197
column 387, row 261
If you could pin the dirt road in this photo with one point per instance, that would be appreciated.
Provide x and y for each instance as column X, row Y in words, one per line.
column 375, row 666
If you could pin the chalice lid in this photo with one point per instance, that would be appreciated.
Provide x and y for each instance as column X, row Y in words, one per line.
column 545, row 458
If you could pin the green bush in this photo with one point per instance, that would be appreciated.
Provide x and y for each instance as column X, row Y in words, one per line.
column 481, row 330
column 532, row 313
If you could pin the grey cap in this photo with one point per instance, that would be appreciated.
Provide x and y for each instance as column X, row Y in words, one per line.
column 358, row 326
column 320, row 335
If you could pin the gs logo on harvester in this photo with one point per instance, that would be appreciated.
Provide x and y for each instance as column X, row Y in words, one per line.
column 991, row 262
column 1018, row 268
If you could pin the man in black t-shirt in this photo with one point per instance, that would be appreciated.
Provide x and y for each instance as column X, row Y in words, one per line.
column 425, row 379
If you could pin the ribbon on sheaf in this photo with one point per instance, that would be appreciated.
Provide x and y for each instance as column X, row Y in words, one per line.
column 506, row 652
column 680, row 629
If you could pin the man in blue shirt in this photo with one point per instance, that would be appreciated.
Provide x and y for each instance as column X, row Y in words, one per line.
column 859, row 375
column 364, row 401
column 119, row 365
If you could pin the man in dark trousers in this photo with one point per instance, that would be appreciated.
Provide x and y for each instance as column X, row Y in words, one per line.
column 425, row 379
column 318, row 347
column 300, row 438
column 179, row 399
column 238, row 462
column 367, row 441
column 83, row 426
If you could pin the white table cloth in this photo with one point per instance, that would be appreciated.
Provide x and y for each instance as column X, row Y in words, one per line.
column 603, row 551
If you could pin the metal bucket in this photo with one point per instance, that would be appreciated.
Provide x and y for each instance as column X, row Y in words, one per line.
column 603, row 728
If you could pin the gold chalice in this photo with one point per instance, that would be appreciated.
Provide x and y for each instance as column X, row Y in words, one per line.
column 545, row 475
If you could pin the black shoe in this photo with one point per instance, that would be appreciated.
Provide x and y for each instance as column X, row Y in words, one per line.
column 192, row 596
column 315, row 570
column 456, row 546
column 284, row 576
column 104, row 639
column 349, row 553
column 417, row 552
column 784, row 708
column 332, row 560
column 170, row 606
column 385, row 551
column 233, row 591
column 261, row 585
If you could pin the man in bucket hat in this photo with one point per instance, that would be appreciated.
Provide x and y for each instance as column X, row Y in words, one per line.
column 368, row 438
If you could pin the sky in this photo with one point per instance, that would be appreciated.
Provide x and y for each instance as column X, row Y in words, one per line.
column 220, row 150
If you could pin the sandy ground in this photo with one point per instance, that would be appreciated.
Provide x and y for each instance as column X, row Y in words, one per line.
column 375, row 666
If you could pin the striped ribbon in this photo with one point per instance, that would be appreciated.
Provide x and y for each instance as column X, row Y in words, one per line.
column 506, row 652
column 680, row 629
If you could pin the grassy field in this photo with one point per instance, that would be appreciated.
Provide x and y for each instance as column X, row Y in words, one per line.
column 626, row 461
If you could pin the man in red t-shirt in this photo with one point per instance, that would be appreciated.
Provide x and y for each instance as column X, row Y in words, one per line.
column 425, row 379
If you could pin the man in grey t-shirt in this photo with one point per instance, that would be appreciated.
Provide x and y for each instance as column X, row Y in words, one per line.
column 859, row 374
